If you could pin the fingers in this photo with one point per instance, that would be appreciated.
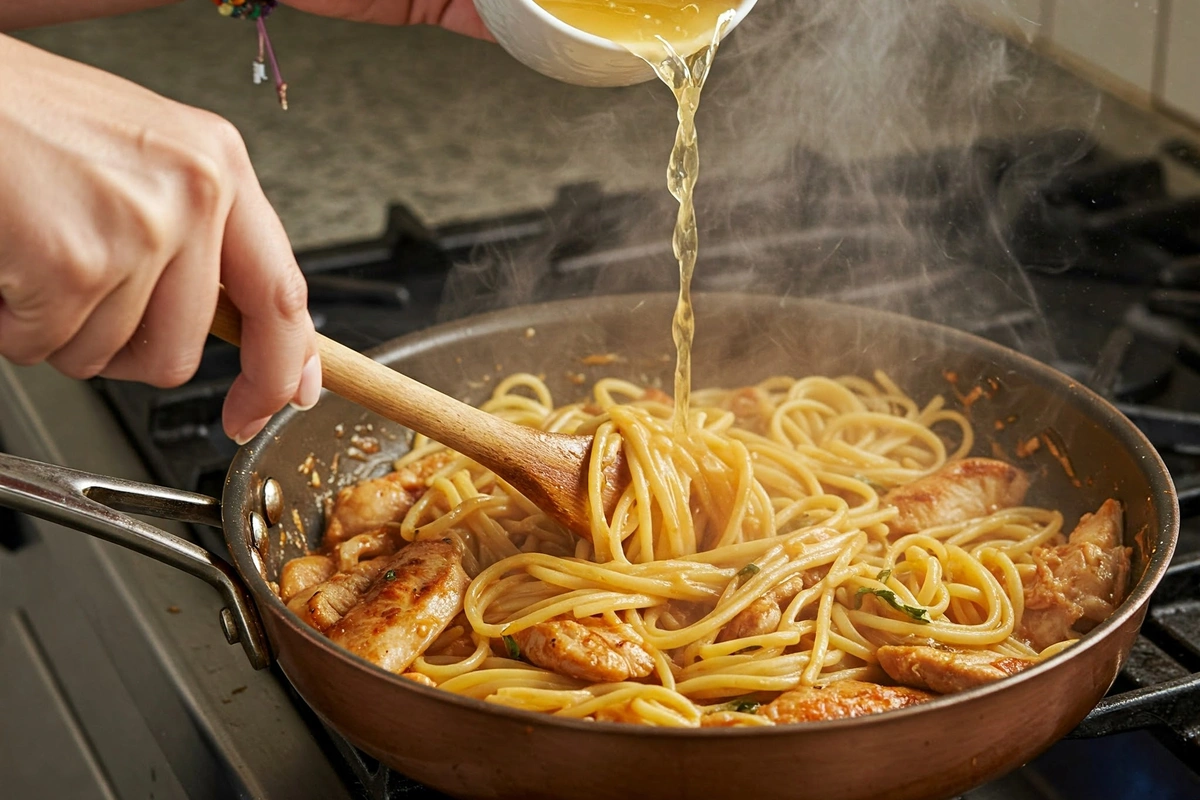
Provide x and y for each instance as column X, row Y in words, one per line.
column 169, row 342
column 39, row 316
column 279, row 353
column 104, row 332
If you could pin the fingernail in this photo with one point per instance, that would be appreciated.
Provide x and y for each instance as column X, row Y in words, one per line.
column 251, row 430
column 310, row 385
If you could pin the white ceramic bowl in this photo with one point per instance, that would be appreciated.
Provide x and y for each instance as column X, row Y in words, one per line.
column 538, row 39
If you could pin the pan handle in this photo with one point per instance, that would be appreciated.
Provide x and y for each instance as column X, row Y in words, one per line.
column 96, row 505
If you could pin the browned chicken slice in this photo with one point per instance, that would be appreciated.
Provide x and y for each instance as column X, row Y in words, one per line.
column 588, row 652
column 407, row 607
column 946, row 671
column 324, row 604
column 366, row 506
column 1079, row 584
column 840, row 699
column 961, row 490
column 302, row 573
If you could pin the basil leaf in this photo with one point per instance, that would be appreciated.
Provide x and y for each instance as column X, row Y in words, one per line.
column 883, row 575
column 514, row 650
column 743, row 705
column 888, row 596
column 747, row 571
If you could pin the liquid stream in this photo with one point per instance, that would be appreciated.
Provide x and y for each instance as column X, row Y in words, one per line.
column 679, row 41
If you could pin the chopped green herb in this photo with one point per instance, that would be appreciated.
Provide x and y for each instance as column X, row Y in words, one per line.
column 510, row 644
column 748, row 570
column 888, row 596
column 883, row 575
column 390, row 575
column 743, row 705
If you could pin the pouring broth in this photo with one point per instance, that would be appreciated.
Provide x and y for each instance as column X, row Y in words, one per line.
column 679, row 41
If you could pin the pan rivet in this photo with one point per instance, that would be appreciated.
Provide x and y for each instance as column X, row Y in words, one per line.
column 258, row 530
column 272, row 500
column 256, row 557
column 229, row 627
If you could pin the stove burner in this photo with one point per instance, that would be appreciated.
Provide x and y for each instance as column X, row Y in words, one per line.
column 1100, row 240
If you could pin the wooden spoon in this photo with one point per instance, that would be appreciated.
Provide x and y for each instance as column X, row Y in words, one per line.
column 551, row 469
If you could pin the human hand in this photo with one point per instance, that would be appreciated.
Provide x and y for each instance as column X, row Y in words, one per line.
column 453, row 15
column 123, row 212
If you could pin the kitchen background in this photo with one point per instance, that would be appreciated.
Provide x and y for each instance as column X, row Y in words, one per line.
column 117, row 682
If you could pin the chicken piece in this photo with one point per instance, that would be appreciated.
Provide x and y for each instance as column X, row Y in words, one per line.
column 415, row 476
column 946, row 671
column 763, row 615
column 653, row 395
column 722, row 719
column 621, row 713
column 321, row 606
column 1079, row 584
column 302, row 573
column 840, row 699
column 417, row 677
column 588, row 652
column 407, row 607
column 748, row 402
column 366, row 506
column 960, row 490
column 760, row 617
column 364, row 546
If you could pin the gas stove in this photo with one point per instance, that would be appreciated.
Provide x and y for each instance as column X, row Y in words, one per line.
column 1046, row 243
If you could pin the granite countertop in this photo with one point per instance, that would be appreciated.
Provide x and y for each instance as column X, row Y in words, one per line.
column 457, row 129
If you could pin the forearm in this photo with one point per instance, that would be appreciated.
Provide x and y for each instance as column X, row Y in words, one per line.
column 15, row 15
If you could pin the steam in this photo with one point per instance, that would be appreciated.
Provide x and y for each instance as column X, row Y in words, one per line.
column 849, row 149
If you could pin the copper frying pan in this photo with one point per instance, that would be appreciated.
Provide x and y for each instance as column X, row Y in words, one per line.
column 467, row 748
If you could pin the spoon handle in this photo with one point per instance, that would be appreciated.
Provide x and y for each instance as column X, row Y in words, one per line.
column 532, row 461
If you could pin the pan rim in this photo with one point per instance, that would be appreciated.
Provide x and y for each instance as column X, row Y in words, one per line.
column 1166, row 506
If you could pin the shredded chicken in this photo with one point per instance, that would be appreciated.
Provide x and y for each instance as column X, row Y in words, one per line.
column 364, row 546
column 1079, row 584
column 322, row 605
column 840, row 699
column 760, row 617
column 960, row 490
column 418, row 594
column 946, row 671
column 415, row 476
column 417, row 677
column 588, row 652
column 764, row 614
column 722, row 719
column 303, row 573
column 367, row 506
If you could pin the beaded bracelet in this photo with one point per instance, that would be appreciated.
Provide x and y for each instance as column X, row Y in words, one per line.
column 258, row 11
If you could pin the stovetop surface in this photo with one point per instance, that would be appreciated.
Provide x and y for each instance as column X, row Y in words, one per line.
column 1046, row 244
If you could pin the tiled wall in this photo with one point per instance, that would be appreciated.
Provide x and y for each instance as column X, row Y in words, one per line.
column 1148, row 50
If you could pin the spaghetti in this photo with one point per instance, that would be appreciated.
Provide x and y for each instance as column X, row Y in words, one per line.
column 773, row 496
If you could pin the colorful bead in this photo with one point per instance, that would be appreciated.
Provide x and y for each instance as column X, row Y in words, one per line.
column 245, row 9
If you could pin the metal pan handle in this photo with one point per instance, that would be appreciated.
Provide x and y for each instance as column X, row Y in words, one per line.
column 95, row 504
